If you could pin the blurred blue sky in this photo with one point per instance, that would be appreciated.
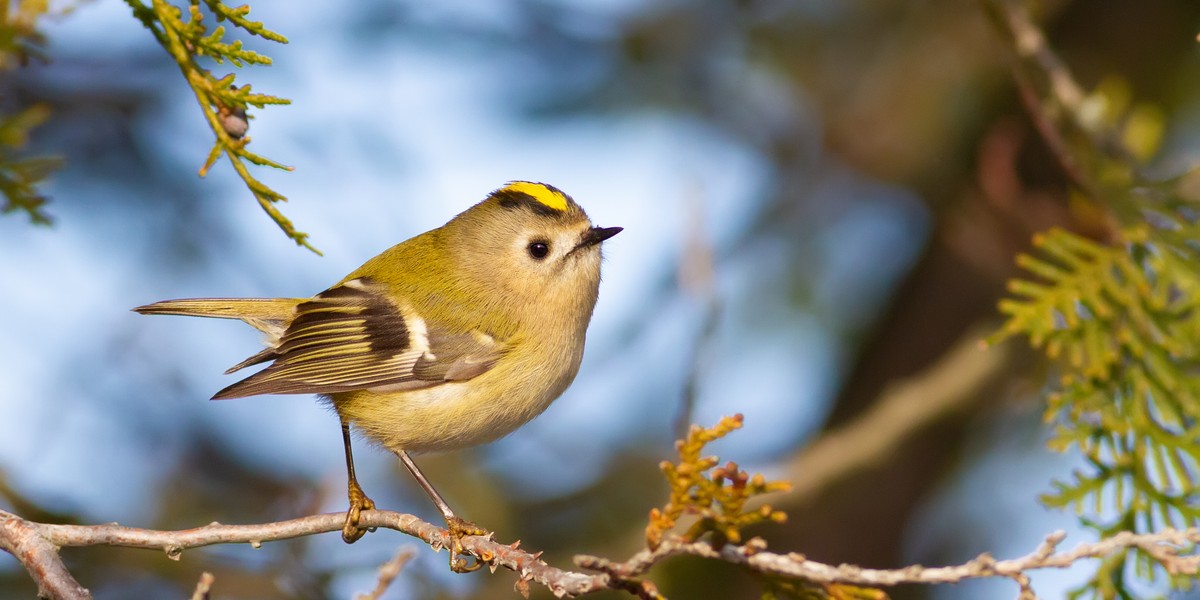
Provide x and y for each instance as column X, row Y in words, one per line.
column 395, row 139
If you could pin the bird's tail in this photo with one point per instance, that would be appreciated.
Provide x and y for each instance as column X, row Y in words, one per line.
column 269, row 315
column 225, row 308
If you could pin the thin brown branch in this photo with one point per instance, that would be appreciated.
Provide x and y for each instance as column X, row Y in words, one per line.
column 36, row 546
column 1064, row 97
column 1051, row 95
column 1165, row 546
column 1029, row 43
column 39, row 556
column 203, row 586
column 1051, row 136
column 388, row 573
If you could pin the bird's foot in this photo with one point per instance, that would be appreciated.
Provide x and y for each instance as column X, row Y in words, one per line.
column 458, row 528
column 359, row 502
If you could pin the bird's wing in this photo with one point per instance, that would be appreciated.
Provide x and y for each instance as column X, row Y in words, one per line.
column 352, row 337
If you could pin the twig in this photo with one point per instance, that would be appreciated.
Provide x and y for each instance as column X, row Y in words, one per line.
column 1165, row 546
column 1060, row 107
column 36, row 546
column 1051, row 135
column 388, row 573
column 39, row 556
column 204, row 586
column 1065, row 97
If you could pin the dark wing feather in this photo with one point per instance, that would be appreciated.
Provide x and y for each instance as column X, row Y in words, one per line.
column 352, row 337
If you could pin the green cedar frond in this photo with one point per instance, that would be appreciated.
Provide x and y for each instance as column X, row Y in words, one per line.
column 223, row 104
column 1122, row 323
column 1117, row 316
column 1120, row 318
column 20, row 175
column 20, row 41
column 237, row 16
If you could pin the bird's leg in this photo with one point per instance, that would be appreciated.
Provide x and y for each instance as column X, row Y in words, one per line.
column 455, row 525
column 358, row 498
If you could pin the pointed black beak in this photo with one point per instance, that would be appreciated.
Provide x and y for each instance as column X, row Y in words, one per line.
column 596, row 235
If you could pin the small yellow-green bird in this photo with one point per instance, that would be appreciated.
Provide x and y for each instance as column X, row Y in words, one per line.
column 453, row 338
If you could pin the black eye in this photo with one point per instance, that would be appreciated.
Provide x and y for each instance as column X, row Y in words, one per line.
column 539, row 250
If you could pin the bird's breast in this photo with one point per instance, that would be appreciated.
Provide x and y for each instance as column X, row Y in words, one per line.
column 461, row 414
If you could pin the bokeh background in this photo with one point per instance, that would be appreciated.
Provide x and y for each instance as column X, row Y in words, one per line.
column 821, row 199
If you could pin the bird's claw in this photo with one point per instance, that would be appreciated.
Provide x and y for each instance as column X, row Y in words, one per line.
column 457, row 528
column 359, row 502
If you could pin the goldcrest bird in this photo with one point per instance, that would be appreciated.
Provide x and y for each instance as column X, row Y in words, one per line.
column 450, row 339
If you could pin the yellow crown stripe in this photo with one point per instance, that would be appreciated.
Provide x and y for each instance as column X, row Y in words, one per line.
column 540, row 192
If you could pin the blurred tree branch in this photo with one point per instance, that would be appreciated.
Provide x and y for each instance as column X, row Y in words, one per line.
column 903, row 410
column 203, row 586
column 1052, row 96
column 388, row 573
